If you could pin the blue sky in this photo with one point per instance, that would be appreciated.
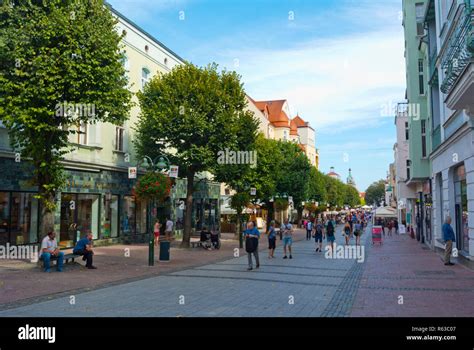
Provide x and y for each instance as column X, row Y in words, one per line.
column 339, row 63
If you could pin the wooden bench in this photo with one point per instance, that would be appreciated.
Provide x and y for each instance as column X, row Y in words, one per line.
column 67, row 257
column 196, row 243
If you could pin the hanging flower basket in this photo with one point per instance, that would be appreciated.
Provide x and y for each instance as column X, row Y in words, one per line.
column 153, row 186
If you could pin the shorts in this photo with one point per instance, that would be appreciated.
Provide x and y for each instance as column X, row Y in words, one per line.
column 318, row 238
column 272, row 243
column 287, row 241
column 157, row 234
column 330, row 238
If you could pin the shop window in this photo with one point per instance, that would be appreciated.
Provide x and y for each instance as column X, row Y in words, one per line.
column 79, row 215
column 462, row 214
column 23, row 218
column 110, row 227
column 4, row 217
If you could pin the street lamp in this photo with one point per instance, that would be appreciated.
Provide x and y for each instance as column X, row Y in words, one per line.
column 161, row 162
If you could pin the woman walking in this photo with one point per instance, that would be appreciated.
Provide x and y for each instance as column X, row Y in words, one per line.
column 358, row 232
column 318, row 236
column 330, row 235
column 347, row 232
column 271, row 240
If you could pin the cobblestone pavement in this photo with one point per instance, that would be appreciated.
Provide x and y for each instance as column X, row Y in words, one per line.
column 307, row 285
column 404, row 278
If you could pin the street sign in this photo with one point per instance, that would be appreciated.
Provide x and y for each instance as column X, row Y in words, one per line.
column 132, row 172
column 174, row 171
column 253, row 191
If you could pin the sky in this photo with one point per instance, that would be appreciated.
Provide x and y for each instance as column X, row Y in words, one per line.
column 339, row 63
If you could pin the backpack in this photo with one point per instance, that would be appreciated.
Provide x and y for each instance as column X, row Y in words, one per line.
column 251, row 244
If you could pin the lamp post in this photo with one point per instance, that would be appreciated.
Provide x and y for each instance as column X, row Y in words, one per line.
column 161, row 162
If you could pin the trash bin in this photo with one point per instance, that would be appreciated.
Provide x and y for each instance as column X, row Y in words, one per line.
column 165, row 251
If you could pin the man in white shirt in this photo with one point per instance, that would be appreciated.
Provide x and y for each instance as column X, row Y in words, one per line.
column 49, row 249
column 169, row 228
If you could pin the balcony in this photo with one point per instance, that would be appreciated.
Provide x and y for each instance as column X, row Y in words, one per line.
column 457, row 61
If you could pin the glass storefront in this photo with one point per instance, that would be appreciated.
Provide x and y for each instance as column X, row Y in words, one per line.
column 133, row 219
column 19, row 213
column 79, row 215
column 204, row 214
column 111, row 213
column 462, row 214
column 4, row 217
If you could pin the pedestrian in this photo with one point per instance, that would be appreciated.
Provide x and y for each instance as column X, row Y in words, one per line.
column 287, row 229
column 206, row 238
column 396, row 227
column 358, row 232
column 390, row 227
column 156, row 231
column 330, row 235
column 449, row 238
column 347, row 232
column 169, row 228
column 84, row 248
column 309, row 229
column 252, row 234
column 49, row 249
column 271, row 240
column 318, row 236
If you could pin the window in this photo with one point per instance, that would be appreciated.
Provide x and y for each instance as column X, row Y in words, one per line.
column 423, row 138
column 82, row 134
column 119, row 132
column 145, row 77
column 408, row 169
column 420, row 28
column 421, row 77
column 166, row 61
column 407, row 132
column 125, row 62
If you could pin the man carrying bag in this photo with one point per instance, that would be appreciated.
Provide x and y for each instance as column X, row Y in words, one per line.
column 251, row 235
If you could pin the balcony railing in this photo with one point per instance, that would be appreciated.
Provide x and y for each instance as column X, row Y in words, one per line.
column 460, row 48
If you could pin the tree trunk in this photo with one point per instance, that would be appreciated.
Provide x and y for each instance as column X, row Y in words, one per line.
column 238, row 230
column 47, row 223
column 189, row 210
column 300, row 216
column 271, row 214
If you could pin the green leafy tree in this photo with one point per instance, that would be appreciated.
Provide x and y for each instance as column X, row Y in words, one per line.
column 295, row 173
column 317, row 186
column 352, row 198
column 58, row 58
column 375, row 193
column 192, row 114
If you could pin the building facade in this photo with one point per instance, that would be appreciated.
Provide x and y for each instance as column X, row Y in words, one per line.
column 450, row 43
column 403, row 193
column 419, row 119
column 98, row 195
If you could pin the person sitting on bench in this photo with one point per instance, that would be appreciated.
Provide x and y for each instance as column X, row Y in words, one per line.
column 49, row 249
column 84, row 248
column 206, row 238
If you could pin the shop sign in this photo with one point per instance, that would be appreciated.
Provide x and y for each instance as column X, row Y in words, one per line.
column 132, row 172
column 174, row 171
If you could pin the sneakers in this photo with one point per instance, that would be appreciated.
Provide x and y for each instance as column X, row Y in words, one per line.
column 258, row 265
column 285, row 257
column 317, row 249
column 291, row 257
column 249, row 269
column 449, row 264
column 91, row 267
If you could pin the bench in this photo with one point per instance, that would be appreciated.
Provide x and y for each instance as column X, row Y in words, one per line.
column 196, row 243
column 67, row 257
